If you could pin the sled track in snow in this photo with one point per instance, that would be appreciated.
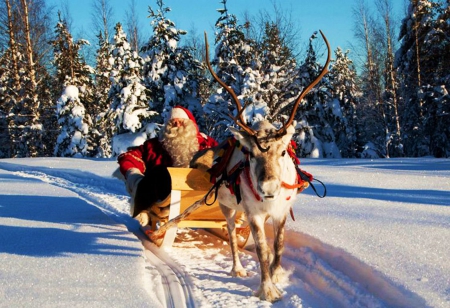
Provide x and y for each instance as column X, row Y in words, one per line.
column 177, row 286
column 178, row 290
column 320, row 274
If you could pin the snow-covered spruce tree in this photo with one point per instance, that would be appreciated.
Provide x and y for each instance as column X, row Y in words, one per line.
column 4, row 136
column 390, row 93
column 343, row 118
column 129, row 110
column 196, row 44
column 171, row 72
column 102, row 77
column 71, row 67
column 101, row 132
column 436, row 83
column 73, row 138
column 48, row 116
column 316, row 137
column 25, row 126
column 278, row 69
column 72, row 70
column 436, row 122
column 7, row 100
column 236, row 63
column 413, row 65
column 371, row 105
column 25, row 37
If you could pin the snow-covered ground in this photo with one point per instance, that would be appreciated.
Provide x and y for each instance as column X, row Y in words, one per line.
column 379, row 239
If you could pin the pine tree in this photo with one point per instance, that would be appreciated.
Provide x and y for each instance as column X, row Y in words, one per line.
column 371, row 104
column 7, row 101
column 316, row 137
column 25, row 126
column 73, row 138
column 343, row 116
column 414, row 65
column 129, row 110
column 25, row 37
column 171, row 72
column 279, row 72
column 71, row 68
column 102, row 133
column 72, row 71
column 5, row 104
column 236, row 62
column 48, row 115
column 390, row 95
column 436, row 83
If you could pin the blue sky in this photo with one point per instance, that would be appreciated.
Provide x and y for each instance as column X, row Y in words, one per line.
column 333, row 17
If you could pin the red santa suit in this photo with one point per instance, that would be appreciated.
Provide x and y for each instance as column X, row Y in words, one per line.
column 152, row 159
column 152, row 153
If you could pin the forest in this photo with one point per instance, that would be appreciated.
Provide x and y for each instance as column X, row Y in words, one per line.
column 58, row 100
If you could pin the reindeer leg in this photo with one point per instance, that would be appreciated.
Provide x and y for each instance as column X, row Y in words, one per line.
column 267, row 290
column 276, row 270
column 237, row 269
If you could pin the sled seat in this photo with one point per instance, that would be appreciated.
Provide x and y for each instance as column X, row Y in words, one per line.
column 188, row 186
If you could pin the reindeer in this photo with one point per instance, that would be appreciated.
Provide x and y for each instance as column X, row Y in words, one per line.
column 267, row 186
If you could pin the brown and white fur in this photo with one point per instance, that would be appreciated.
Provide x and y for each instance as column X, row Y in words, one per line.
column 267, row 171
column 270, row 166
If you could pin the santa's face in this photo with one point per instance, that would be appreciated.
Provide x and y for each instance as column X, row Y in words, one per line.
column 179, row 138
column 178, row 122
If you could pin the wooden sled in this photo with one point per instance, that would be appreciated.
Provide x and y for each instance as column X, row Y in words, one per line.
column 187, row 209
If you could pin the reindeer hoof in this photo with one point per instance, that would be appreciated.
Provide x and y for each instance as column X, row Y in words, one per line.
column 269, row 293
column 279, row 275
column 238, row 272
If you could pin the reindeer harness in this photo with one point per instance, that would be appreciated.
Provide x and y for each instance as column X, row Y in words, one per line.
column 232, row 178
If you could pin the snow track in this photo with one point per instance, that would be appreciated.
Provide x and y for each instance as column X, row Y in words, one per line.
column 177, row 288
column 194, row 273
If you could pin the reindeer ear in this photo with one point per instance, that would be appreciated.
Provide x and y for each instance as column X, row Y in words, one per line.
column 240, row 135
column 290, row 131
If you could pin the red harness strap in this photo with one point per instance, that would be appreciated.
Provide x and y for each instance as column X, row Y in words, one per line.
column 250, row 183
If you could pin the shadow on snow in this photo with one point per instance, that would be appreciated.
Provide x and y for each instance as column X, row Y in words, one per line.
column 79, row 228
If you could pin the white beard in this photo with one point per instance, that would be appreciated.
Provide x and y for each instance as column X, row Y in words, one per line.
column 180, row 142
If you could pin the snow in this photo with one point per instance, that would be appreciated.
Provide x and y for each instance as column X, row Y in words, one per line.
column 71, row 92
column 122, row 142
column 379, row 239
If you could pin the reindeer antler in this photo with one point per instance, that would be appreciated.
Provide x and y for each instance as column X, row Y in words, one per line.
column 239, row 120
column 282, row 130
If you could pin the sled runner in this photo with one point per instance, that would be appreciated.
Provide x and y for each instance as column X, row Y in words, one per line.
column 189, row 205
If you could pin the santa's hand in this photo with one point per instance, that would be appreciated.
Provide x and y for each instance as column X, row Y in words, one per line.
column 134, row 177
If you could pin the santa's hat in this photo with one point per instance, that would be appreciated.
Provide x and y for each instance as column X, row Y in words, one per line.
column 179, row 112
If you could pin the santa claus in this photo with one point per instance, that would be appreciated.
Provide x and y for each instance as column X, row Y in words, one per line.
column 145, row 167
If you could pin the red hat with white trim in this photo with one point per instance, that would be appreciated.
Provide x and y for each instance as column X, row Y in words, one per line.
column 179, row 112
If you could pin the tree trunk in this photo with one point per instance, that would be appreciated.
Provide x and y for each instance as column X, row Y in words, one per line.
column 385, row 10
column 29, row 48
column 13, row 48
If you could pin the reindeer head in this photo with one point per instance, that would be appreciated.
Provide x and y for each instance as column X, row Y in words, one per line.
column 266, row 145
column 267, row 157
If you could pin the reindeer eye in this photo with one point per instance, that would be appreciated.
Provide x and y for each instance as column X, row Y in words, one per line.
column 283, row 153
